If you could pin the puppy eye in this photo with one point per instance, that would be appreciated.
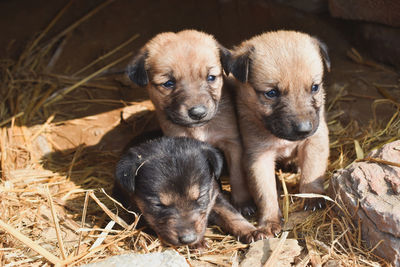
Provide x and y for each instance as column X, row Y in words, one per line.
column 272, row 93
column 315, row 88
column 211, row 78
column 169, row 84
column 160, row 206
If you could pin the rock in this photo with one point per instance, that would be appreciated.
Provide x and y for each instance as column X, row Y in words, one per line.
column 375, row 187
column 381, row 11
column 309, row 6
column 169, row 258
column 260, row 251
column 379, row 41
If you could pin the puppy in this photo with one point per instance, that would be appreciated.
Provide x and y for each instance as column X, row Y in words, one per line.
column 183, row 73
column 173, row 181
column 280, row 101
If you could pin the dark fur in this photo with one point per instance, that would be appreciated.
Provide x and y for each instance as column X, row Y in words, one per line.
column 169, row 170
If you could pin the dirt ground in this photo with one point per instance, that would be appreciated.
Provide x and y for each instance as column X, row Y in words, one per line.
column 88, row 119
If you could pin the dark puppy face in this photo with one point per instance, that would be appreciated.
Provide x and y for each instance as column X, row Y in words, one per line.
column 183, row 73
column 284, row 70
column 173, row 182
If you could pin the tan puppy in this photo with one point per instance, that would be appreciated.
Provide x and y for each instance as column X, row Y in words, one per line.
column 183, row 73
column 281, row 114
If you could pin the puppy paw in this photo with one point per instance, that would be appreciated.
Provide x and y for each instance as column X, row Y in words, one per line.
column 255, row 235
column 246, row 208
column 272, row 229
column 201, row 245
column 314, row 204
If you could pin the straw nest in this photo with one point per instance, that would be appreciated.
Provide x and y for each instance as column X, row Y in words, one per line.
column 56, row 210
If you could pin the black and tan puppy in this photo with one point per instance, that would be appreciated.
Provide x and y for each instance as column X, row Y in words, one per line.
column 280, row 100
column 183, row 73
column 173, row 181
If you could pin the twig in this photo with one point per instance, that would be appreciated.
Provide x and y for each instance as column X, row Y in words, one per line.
column 56, row 224
column 11, row 118
column 314, row 257
column 78, row 22
column 114, row 217
column 85, row 205
column 381, row 161
column 59, row 95
column 51, row 24
column 103, row 235
column 76, row 155
column 48, row 121
column 30, row 243
column 107, row 54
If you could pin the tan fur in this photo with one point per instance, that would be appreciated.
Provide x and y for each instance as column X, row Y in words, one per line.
column 190, row 56
column 194, row 192
column 166, row 198
column 289, row 61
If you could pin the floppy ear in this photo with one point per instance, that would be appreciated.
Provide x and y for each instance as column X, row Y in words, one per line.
column 137, row 71
column 214, row 159
column 225, row 56
column 323, row 48
column 240, row 65
column 125, row 173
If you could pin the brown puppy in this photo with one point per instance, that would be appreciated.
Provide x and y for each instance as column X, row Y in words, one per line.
column 183, row 73
column 281, row 113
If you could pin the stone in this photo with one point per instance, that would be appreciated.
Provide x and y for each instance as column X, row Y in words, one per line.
column 381, row 11
column 169, row 258
column 379, row 41
column 370, row 191
column 260, row 251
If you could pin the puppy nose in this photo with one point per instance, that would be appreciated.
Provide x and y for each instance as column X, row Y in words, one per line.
column 197, row 112
column 187, row 237
column 304, row 127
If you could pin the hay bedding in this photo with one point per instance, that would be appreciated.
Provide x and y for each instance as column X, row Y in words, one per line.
column 55, row 209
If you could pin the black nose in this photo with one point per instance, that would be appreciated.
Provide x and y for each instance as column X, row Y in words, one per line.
column 187, row 237
column 304, row 127
column 197, row 112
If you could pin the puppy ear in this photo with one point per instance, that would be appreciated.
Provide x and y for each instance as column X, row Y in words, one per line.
column 136, row 70
column 214, row 159
column 225, row 56
column 323, row 48
column 127, row 167
column 240, row 65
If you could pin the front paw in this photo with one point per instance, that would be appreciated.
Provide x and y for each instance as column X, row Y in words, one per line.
column 314, row 203
column 246, row 208
column 271, row 228
column 201, row 245
column 255, row 235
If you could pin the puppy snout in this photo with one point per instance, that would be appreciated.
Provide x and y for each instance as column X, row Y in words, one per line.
column 197, row 112
column 304, row 127
column 187, row 237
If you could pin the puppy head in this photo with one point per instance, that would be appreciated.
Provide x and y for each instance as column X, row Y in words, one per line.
column 184, row 75
column 283, row 71
column 173, row 182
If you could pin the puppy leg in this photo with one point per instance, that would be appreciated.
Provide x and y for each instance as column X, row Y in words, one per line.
column 226, row 216
column 241, row 197
column 263, row 187
column 313, row 160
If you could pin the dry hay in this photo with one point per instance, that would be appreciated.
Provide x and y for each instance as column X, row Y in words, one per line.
column 55, row 210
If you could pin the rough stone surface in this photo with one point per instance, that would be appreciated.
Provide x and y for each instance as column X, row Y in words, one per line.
column 381, row 11
column 169, row 258
column 375, row 187
column 260, row 251
column 380, row 41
